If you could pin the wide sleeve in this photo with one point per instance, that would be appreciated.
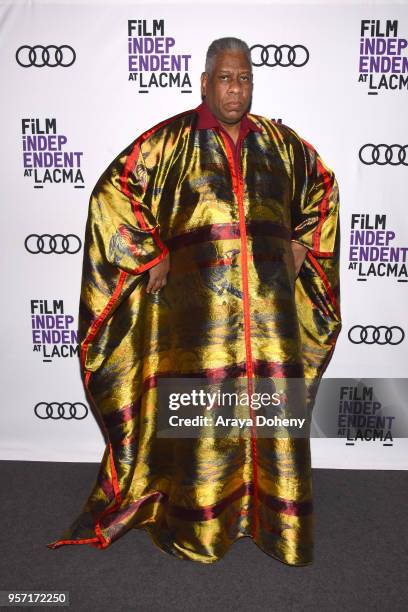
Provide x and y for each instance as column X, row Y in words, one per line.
column 122, row 228
column 316, row 225
column 315, row 207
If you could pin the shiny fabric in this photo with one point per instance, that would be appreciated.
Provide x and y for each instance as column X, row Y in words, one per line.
column 231, row 308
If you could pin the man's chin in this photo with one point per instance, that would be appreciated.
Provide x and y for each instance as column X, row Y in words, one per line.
column 233, row 115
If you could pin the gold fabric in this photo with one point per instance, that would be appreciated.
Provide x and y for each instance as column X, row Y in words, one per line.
column 231, row 308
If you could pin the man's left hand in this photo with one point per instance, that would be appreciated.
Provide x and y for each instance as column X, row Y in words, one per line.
column 158, row 275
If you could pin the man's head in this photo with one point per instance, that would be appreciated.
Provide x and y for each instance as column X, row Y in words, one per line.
column 226, row 83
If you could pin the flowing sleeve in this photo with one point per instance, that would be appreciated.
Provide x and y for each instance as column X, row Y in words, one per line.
column 122, row 228
column 316, row 225
column 122, row 241
column 316, row 206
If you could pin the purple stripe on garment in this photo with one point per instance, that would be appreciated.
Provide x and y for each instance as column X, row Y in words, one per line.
column 227, row 231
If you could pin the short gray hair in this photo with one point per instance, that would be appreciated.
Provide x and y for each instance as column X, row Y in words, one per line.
column 220, row 45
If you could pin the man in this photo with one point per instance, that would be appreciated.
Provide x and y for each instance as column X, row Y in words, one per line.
column 211, row 252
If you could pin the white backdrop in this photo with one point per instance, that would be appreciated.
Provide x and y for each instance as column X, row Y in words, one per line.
column 331, row 101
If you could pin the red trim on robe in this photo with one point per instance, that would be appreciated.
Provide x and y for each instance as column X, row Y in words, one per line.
column 99, row 321
column 326, row 283
column 238, row 188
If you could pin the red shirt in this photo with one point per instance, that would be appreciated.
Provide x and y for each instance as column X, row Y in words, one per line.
column 206, row 120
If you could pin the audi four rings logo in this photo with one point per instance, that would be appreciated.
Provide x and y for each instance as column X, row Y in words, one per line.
column 369, row 334
column 64, row 410
column 383, row 154
column 47, row 244
column 282, row 55
column 50, row 56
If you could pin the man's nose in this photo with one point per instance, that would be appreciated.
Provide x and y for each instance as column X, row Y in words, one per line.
column 235, row 84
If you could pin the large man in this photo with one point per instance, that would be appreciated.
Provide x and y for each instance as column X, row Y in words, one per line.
column 211, row 252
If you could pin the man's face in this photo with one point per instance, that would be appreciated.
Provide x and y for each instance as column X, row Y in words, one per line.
column 228, row 89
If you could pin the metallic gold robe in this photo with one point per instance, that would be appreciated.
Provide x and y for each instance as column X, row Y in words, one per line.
column 231, row 307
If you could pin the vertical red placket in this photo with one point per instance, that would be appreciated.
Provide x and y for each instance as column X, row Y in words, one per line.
column 234, row 159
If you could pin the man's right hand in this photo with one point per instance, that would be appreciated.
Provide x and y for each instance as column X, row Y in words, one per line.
column 158, row 275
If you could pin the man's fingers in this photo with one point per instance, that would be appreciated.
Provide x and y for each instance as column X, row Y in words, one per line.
column 152, row 286
column 155, row 284
column 157, row 275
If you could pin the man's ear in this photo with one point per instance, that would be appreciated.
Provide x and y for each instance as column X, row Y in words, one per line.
column 204, row 79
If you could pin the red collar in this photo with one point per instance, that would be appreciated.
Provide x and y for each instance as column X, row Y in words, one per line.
column 207, row 120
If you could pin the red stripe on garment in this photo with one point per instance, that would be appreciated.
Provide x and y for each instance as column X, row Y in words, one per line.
column 99, row 320
column 323, row 206
column 214, row 375
column 84, row 541
column 115, row 481
column 106, row 486
column 275, row 369
column 285, row 506
column 228, row 231
column 152, row 262
column 212, row 511
column 238, row 187
column 217, row 231
column 326, row 283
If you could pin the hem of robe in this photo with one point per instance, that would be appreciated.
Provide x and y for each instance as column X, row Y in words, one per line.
column 176, row 550
column 215, row 559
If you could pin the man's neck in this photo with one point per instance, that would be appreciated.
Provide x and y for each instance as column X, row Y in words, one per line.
column 232, row 129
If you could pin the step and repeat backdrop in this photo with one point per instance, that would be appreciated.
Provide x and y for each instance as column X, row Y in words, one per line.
column 80, row 82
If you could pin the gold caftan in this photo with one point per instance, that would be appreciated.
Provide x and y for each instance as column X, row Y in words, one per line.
column 231, row 309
